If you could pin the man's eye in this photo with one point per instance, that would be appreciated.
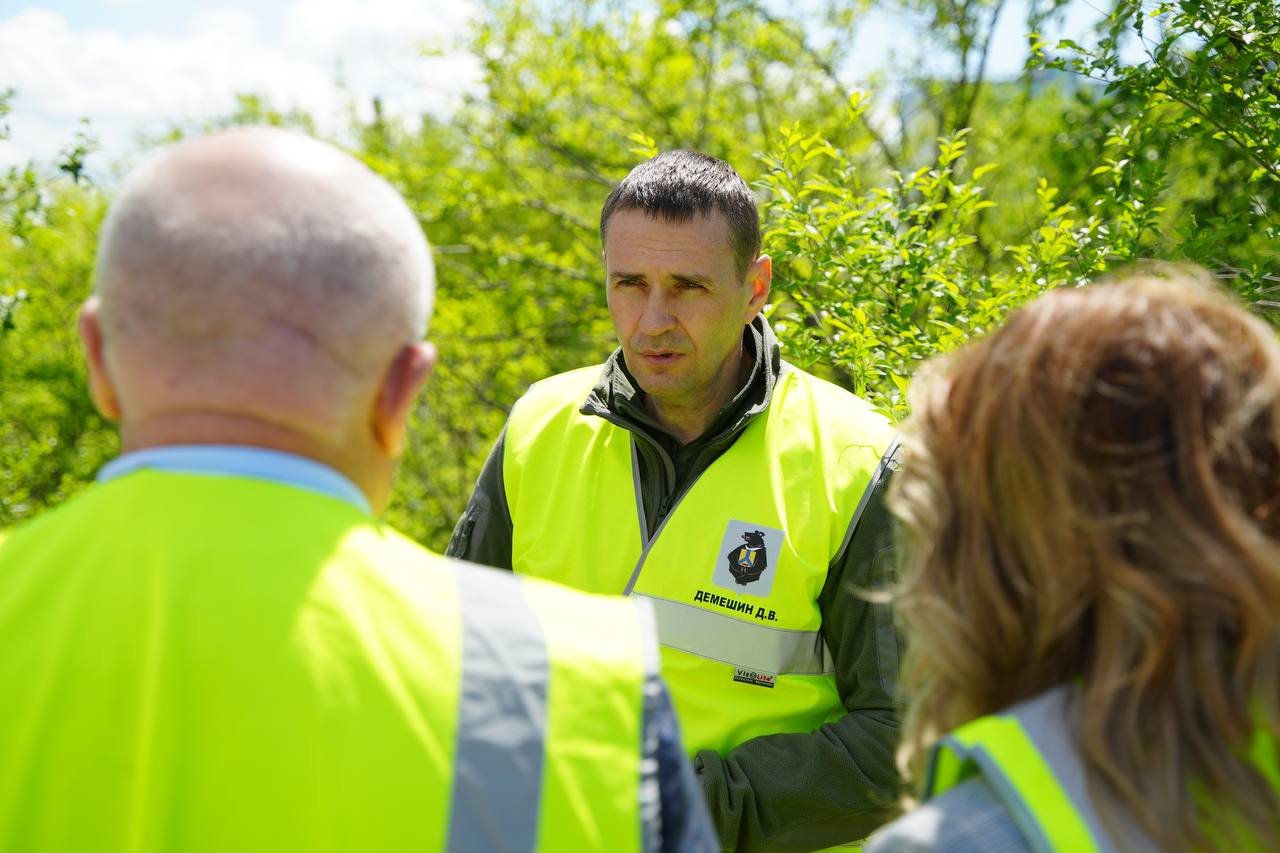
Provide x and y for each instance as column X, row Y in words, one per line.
column 628, row 282
column 691, row 285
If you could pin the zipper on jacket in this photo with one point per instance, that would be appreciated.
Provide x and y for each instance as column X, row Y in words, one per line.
column 667, row 504
column 662, row 523
column 668, row 468
column 667, row 496
column 667, row 464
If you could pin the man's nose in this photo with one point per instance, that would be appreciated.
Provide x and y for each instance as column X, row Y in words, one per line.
column 658, row 316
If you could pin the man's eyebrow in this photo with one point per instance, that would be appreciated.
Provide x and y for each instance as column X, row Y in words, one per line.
column 615, row 276
column 692, row 278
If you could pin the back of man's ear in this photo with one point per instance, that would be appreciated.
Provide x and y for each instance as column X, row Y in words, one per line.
column 101, row 389
column 403, row 380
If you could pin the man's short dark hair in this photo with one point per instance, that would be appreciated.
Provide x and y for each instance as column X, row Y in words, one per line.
column 675, row 185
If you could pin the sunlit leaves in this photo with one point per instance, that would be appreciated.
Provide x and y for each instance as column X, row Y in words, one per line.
column 1191, row 163
column 872, row 280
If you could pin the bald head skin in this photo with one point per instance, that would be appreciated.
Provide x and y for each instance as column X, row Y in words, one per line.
column 258, row 287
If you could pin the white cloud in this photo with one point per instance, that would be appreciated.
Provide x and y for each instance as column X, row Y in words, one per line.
column 379, row 42
column 364, row 27
column 129, row 82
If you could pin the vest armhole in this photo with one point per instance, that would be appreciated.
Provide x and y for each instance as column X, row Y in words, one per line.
column 888, row 462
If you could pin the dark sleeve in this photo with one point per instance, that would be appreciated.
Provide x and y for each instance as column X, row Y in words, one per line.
column 483, row 534
column 837, row 784
column 680, row 822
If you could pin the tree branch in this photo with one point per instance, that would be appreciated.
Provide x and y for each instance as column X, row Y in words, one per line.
column 891, row 157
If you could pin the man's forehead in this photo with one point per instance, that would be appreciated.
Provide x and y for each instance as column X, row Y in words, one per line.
column 636, row 235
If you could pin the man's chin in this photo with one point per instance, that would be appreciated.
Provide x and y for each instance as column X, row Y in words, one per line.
column 659, row 384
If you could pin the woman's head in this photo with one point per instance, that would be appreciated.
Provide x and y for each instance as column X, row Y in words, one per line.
column 1092, row 494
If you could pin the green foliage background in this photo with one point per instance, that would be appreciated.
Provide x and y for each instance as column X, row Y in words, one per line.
column 902, row 220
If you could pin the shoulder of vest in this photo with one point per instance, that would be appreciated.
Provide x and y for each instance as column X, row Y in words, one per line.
column 411, row 551
column 829, row 394
column 364, row 542
column 570, row 388
column 547, row 400
column 78, row 506
column 840, row 411
column 155, row 492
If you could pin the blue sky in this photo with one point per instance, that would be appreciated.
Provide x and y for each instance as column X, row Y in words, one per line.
column 143, row 15
column 133, row 66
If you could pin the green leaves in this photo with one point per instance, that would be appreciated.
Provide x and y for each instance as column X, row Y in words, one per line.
column 6, row 107
column 72, row 158
column 867, row 276
column 646, row 147
column 1212, row 72
column 873, row 281
column 9, row 304
column 51, row 439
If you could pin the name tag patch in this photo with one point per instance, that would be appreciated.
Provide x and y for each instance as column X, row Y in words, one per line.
column 752, row 676
column 736, row 605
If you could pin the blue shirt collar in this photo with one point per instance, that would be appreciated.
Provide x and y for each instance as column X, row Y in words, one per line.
column 231, row 460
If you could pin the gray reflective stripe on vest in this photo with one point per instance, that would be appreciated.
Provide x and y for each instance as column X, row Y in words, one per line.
column 635, row 481
column 1044, row 719
column 736, row 641
column 650, row 782
column 1021, row 816
column 502, row 716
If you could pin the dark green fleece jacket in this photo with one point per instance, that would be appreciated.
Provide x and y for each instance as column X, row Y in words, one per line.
column 789, row 792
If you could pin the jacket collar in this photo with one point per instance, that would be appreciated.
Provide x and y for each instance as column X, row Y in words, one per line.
column 617, row 398
column 232, row 460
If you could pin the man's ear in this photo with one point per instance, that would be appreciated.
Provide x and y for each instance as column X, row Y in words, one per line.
column 400, row 386
column 101, row 389
column 759, row 278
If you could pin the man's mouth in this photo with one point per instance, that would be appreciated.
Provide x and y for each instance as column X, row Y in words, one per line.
column 660, row 357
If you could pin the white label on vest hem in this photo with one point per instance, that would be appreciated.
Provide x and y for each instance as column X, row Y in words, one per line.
column 753, row 676
column 748, row 558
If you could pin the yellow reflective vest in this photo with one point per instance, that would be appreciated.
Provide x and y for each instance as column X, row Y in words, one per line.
column 1031, row 762
column 195, row 662
column 736, row 567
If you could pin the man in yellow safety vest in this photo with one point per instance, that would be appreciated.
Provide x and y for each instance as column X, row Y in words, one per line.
column 739, row 495
column 220, row 646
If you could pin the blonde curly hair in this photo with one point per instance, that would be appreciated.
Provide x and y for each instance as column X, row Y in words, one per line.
column 1091, row 495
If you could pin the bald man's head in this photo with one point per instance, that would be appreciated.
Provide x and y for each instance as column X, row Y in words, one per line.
column 256, row 276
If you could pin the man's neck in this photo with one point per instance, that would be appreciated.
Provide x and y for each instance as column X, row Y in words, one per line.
column 687, row 421
column 201, row 427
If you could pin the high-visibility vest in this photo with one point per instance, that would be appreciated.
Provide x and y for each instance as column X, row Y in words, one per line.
column 194, row 662
column 1028, row 757
column 734, row 570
